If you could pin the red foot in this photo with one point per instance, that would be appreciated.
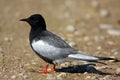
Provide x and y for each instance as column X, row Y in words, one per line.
column 42, row 72
column 47, row 70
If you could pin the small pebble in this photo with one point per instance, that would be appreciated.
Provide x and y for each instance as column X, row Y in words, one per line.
column 102, row 79
column 93, row 77
column 116, row 53
column 85, row 72
column 105, row 78
column 95, row 4
column 118, row 70
column 102, row 67
column 111, row 61
column 20, row 74
column 33, row 62
column 104, row 13
column 70, row 28
column 110, row 42
column 105, row 26
column 25, row 76
column 13, row 77
column 88, row 77
column 114, row 32
column 76, row 78
column 99, row 48
column 65, row 64
column 61, row 76
column 50, row 77
column 6, row 39
column 86, row 38
column 77, row 33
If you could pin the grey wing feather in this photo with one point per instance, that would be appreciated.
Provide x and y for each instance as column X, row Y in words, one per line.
column 61, row 53
column 55, row 40
column 82, row 56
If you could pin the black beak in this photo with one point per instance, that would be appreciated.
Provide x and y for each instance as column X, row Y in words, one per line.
column 24, row 19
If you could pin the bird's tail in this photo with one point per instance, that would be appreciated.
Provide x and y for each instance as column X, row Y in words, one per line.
column 88, row 58
column 106, row 58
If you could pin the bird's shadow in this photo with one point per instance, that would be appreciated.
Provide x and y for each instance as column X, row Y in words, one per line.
column 89, row 68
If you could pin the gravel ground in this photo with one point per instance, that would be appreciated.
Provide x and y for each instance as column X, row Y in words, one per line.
column 92, row 26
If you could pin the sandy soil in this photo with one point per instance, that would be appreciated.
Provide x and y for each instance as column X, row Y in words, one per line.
column 95, row 30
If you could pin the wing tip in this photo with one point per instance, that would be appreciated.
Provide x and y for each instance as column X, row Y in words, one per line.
column 106, row 58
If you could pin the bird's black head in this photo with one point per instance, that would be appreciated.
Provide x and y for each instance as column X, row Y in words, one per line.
column 36, row 21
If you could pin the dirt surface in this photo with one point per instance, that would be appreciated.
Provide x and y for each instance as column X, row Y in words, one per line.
column 92, row 26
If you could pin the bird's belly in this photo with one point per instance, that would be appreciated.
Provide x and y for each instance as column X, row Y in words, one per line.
column 44, row 49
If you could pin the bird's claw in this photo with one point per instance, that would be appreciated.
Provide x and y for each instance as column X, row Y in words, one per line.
column 47, row 71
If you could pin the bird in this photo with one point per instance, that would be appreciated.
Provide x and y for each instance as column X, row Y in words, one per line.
column 52, row 48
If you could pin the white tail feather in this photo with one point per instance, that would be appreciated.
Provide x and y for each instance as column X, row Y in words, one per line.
column 82, row 57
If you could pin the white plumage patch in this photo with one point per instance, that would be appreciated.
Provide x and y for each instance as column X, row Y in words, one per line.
column 43, row 48
column 82, row 56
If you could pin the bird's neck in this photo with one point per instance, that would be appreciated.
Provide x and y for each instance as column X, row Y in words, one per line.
column 34, row 32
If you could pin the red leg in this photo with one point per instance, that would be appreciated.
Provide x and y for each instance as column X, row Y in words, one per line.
column 52, row 69
column 48, row 70
column 45, row 71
